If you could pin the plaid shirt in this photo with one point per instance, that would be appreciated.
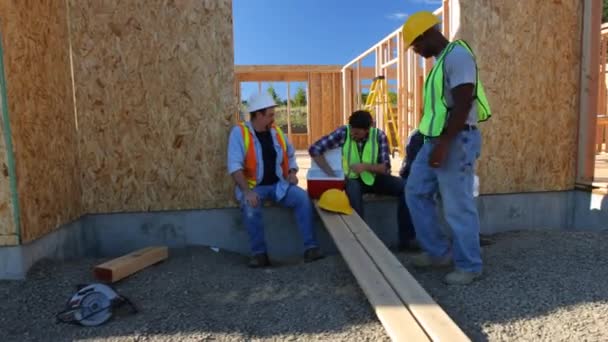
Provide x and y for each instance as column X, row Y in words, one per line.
column 337, row 138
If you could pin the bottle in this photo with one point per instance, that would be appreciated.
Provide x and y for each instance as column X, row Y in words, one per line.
column 476, row 186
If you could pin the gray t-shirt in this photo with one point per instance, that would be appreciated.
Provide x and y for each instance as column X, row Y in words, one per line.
column 459, row 68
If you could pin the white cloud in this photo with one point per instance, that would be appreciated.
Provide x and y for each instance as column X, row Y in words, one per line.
column 397, row 16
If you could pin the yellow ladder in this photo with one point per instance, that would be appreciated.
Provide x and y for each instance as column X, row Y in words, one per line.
column 378, row 98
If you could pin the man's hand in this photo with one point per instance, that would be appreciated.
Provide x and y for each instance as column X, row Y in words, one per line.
column 440, row 152
column 252, row 198
column 328, row 171
column 323, row 165
column 359, row 168
column 292, row 178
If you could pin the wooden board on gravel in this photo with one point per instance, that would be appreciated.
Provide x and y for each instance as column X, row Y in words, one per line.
column 122, row 267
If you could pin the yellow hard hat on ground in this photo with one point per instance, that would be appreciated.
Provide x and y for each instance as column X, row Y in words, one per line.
column 335, row 200
column 417, row 24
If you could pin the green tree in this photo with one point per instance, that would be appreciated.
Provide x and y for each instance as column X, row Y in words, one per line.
column 274, row 94
column 605, row 12
column 299, row 98
column 392, row 98
column 363, row 98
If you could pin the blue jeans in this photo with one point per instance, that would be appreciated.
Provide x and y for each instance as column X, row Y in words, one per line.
column 454, row 182
column 383, row 185
column 295, row 198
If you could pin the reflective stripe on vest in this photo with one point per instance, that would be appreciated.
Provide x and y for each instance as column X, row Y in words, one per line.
column 251, row 166
column 350, row 155
column 435, row 111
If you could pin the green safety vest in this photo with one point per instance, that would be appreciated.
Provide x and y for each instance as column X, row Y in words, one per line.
column 351, row 155
column 434, row 116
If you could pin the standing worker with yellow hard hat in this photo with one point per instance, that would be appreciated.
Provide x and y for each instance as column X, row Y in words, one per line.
column 454, row 103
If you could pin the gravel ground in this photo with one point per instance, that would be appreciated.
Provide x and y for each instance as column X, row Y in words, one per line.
column 547, row 286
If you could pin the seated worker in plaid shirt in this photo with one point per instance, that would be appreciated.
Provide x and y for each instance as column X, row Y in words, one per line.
column 367, row 166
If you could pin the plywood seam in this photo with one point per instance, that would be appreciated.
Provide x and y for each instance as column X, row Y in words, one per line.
column 75, row 107
column 10, row 157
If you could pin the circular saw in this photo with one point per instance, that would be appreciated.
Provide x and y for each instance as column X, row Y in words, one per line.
column 92, row 305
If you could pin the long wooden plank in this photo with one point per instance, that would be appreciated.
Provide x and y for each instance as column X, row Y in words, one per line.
column 119, row 268
column 392, row 313
column 435, row 321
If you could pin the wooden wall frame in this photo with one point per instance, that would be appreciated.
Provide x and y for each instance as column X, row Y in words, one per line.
column 395, row 62
column 323, row 91
column 591, row 21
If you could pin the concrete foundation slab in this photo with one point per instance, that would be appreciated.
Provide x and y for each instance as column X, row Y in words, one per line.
column 110, row 235
column 65, row 243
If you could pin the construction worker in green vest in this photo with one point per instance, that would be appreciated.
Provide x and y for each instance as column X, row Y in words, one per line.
column 454, row 102
column 367, row 169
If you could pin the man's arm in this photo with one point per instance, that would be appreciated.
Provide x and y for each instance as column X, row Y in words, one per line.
column 291, row 155
column 377, row 168
column 239, row 179
column 462, row 96
column 461, row 72
column 463, row 101
column 293, row 164
column 384, row 161
column 236, row 159
column 333, row 140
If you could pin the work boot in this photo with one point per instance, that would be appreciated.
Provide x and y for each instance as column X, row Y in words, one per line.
column 485, row 241
column 409, row 246
column 460, row 277
column 259, row 260
column 423, row 260
column 312, row 254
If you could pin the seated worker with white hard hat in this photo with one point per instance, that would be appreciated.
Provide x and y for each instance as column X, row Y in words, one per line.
column 367, row 165
column 262, row 163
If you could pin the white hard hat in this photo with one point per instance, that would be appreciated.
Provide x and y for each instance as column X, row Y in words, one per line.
column 260, row 101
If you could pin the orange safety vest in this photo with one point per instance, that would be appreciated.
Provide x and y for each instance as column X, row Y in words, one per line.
column 251, row 166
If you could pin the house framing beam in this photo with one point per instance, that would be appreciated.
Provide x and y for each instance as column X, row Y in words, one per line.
column 589, row 90
column 394, row 61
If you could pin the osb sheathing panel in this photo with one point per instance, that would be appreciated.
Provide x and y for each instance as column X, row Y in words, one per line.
column 155, row 101
column 41, row 110
column 528, row 54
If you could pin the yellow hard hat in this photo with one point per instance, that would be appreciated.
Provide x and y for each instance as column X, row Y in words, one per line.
column 335, row 200
column 417, row 24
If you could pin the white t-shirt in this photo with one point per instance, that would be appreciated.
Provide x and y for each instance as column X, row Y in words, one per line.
column 459, row 68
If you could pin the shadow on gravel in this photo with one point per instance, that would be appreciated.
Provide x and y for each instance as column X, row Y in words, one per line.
column 196, row 292
column 199, row 294
column 528, row 275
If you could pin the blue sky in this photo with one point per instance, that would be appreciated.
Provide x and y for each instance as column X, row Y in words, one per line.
column 314, row 31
